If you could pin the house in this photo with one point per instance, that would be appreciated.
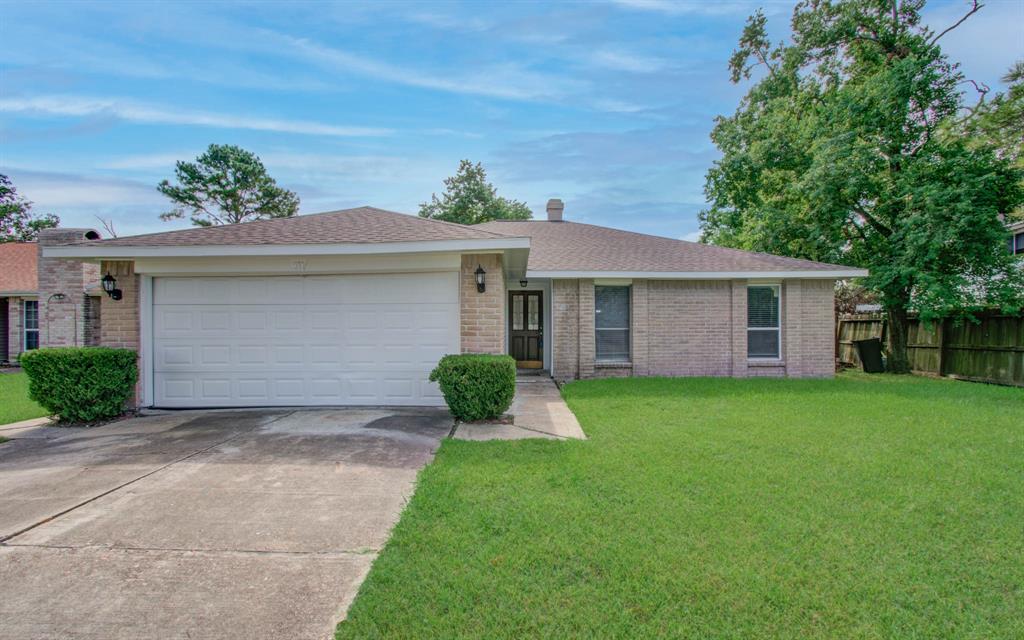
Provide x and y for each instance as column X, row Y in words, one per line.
column 19, row 306
column 1016, row 240
column 72, row 302
column 356, row 306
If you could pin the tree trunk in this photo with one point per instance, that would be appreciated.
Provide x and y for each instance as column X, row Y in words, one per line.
column 899, row 329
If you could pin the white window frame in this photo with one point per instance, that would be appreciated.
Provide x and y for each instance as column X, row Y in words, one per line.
column 778, row 329
column 628, row 329
column 24, row 324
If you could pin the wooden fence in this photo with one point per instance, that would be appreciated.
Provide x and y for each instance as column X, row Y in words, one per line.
column 990, row 350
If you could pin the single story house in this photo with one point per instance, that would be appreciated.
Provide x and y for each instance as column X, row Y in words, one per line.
column 356, row 306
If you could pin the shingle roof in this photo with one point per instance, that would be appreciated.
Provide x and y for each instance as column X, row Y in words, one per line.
column 359, row 225
column 18, row 267
column 573, row 246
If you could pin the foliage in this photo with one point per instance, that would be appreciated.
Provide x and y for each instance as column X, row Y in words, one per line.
column 469, row 199
column 81, row 384
column 476, row 386
column 226, row 185
column 861, row 507
column 17, row 223
column 835, row 155
column 999, row 123
column 850, row 294
column 15, row 405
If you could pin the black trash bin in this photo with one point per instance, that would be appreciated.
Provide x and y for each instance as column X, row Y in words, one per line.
column 870, row 352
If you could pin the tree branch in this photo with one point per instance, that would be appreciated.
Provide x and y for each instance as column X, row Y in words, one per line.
column 974, row 9
column 873, row 221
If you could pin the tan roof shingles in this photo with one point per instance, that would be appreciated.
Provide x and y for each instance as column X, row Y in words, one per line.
column 18, row 271
column 359, row 225
column 573, row 246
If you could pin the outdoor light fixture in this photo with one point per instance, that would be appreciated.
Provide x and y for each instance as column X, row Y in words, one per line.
column 523, row 283
column 110, row 286
column 480, row 273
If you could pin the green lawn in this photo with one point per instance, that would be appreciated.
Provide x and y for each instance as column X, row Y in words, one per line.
column 14, row 402
column 862, row 507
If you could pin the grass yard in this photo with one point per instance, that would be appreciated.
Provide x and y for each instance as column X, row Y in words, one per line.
column 14, row 402
column 861, row 507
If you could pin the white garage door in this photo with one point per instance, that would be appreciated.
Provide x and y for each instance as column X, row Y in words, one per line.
column 307, row 340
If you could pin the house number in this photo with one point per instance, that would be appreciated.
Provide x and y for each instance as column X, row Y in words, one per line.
column 299, row 266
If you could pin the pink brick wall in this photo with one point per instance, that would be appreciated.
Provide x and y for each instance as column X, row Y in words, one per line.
column 62, row 322
column 565, row 310
column 92, row 320
column 689, row 328
column 119, row 319
column 816, row 353
column 15, row 340
column 695, row 328
column 482, row 314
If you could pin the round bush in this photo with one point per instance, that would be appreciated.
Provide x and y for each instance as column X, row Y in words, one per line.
column 81, row 384
column 476, row 386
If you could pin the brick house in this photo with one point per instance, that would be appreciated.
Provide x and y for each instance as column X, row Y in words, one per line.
column 46, row 302
column 356, row 306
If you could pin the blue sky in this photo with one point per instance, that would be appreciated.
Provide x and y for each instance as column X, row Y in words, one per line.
column 606, row 105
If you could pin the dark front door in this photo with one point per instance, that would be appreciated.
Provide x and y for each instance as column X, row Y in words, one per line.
column 526, row 328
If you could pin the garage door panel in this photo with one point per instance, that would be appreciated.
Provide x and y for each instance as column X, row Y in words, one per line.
column 329, row 340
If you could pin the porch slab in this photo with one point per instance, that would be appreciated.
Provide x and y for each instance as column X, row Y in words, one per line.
column 538, row 411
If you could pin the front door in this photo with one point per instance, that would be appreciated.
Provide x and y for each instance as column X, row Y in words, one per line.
column 526, row 328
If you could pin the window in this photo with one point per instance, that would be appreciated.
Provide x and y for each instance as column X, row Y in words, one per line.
column 1017, row 243
column 764, row 333
column 611, row 323
column 31, row 324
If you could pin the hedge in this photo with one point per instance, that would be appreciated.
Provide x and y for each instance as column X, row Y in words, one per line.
column 81, row 384
column 476, row 386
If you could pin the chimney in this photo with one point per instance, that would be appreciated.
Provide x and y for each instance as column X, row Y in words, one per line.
column 555, row 208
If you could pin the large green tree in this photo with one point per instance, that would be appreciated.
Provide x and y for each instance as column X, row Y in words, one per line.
column 226, row 185
column 834, row 154
column 469, row 199
column 17, row 222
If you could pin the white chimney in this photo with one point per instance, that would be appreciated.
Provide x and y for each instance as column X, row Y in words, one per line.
column 555, row 208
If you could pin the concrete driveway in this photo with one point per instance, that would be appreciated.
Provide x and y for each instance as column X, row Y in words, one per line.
column 254, row 524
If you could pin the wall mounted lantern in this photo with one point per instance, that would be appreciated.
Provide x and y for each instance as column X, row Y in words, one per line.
column 480, row 284
column 110, row 286
column 523, row 283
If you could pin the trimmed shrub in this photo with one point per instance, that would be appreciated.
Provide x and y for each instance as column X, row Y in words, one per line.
column 476, row 386
column 81, row 384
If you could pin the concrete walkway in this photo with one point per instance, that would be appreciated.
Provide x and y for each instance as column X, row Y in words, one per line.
column 538, row 412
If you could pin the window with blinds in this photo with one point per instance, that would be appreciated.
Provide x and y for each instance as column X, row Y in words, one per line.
column 764, row 332
column 611, row 323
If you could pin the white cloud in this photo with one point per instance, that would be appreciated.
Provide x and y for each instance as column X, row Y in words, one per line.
column 681, row 7
column 80, row 106
column 617, row 106
column 626, row 61
column 51, row 192
column 692, row 236
column 497, row 81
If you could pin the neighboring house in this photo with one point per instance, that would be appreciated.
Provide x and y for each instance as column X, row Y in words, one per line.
column 1016, row 241
column 357, row 306
column 66, row 313
column 19, row 303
